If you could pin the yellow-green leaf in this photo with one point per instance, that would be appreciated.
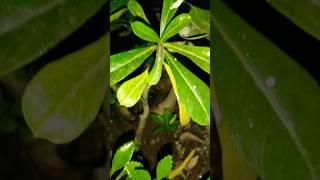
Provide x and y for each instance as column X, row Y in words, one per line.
column 156, row 72
column 129, row 93
column 169, row 8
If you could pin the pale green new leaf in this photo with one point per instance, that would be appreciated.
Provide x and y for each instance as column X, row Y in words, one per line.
column 136, row 10
column 129, row 93
column 144, row 32
column 270, row 103
column 194, row 94
column 29, row 29
column 175, row 26
column 122, row 156
column 200, row 19
column 124, row 63
column 169, row 8
column 198, row 54
column 63, row 99
column 164, row 167
column 156, row 72
column 304, row 13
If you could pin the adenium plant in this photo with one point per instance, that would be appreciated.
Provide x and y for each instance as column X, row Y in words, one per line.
column 192, row 93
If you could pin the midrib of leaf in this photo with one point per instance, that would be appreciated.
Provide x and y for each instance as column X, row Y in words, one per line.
column 71, row 92
column 134, row 58
column 187, row 52
column 190, row 87
column 275, row 105
column 138, row 84
column 38, row 13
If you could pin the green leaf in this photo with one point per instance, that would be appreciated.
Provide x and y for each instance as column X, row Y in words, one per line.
column 169, row 8
column 164, row 167
column 138, row 174
column 129, row 93
column 28, row 29
column 167, row 114
column 200, row 19
column 191, row 32
column 124, row 63
column 136, row 10
column 63, row 99
column 117, row 4
column 117, row 14
column 175, row 26
column 305, row 14
column 156, row 71
column 122, row 156
column 193, row 93
column 157, row 118
column 144, row 32
column 270, row 103
column 200, row 55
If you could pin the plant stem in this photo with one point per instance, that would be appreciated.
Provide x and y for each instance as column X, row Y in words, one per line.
column 168, row 103
column 143, row 117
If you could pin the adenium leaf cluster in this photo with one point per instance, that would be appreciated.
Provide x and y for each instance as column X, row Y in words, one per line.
column 192, row 93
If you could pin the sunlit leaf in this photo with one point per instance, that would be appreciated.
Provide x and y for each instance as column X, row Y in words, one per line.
column 200, row 55
column 144, row 32
column 129, row 93
column 124, row 63
column 200, row 18
column 304, row 13
column 136, row 10
column 271, row 104
column 28, row 29
column 175, row 26
column 164, row 167
column 193, row 93
column 63, row 99
column 156, row 72
column 122, row 156
column 169, row 8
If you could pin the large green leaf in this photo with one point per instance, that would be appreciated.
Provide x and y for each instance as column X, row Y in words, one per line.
column 169, row 8
column 63, row 99
column 175, row 26
column 198, row 54
column 193, row 93
column 270, row 103
column 122, row 156
column 144, row 32
column 124, row 63
column 200, row 18
column 129, row 93
column 136, row 10
column 28, row 29
column 305, row 14
column 156, row 72
column 164, row 167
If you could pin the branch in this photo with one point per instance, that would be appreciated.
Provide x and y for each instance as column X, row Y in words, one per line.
column 143, row 117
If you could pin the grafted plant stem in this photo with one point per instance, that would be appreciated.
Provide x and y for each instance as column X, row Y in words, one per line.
column 143, row 117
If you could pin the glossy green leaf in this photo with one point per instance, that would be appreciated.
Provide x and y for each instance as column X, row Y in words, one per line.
column 304, row 13
column 200, row 19
column 191, row 32
column 137, row 174
column 164, row 167
column 122, row 156
column 156, row 72
column 271, row 104
column 193, row 93
column 144, row 32
column 169, row 8
column 198, row 54
column 117, row 4
column 129, row 93
column 175, row 26
column 158, row 119
column 63, row 99
column 136, row 10
column 28, row 29
column 124, row 63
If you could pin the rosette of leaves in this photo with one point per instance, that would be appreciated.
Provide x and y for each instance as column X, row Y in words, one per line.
column 192, row 93
column 134, row 170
